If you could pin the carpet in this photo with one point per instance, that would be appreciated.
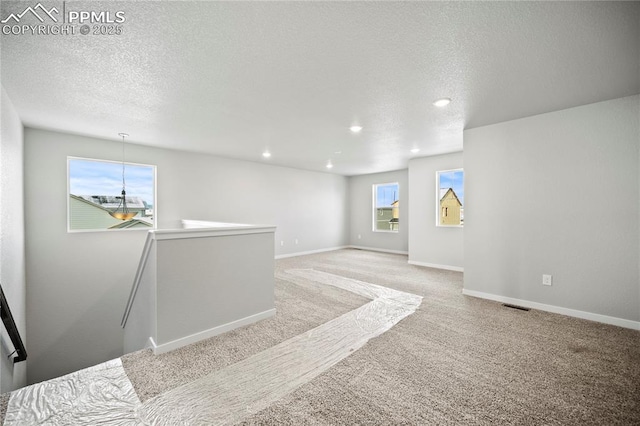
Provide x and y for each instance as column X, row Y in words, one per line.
column 233, row 393
column 462, row 360
column 457, row 360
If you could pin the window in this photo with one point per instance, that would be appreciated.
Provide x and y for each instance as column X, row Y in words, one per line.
column 386, row 207
column 450, row 197
column 94, row 194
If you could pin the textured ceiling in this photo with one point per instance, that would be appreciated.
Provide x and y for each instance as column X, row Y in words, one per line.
column 236, row 78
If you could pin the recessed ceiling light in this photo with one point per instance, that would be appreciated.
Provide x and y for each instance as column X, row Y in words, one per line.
column 414, row 150
column 329, row 165
column 355, row 129
column 266, row 154
column 442, row 102
column 337, row 152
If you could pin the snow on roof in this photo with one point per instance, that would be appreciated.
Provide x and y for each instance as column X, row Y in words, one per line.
column 112, row 201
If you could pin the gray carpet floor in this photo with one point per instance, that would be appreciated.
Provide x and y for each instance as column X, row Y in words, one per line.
column 462, row 360
column 457, row 360
column 299, row 308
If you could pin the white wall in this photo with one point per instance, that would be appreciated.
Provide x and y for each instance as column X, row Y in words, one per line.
column 78, row 283
column 558, row 194
column 242, row 265
column 12, row 254
column 431, row 245
column 361, row 208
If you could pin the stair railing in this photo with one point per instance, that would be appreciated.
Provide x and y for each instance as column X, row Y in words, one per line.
column 136, row 281
column 12, row 329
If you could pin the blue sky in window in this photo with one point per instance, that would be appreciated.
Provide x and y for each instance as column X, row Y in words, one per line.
column 386, row 194
column 455, row 180
column 91, row 177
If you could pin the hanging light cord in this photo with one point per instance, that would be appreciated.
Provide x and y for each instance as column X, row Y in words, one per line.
column 124, row 214
column 123, row 185
column 124, row 135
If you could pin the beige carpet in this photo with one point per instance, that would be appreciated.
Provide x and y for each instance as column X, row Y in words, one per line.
column 456, row 360
column 462, row 360
column 298, row 308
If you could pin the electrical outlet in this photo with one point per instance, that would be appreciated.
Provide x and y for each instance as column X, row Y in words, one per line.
column 296, row 241
column 281, row 243
column 359, row 236
column 547, row 280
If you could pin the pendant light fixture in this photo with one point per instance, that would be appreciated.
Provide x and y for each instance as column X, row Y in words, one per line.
column 122, row 212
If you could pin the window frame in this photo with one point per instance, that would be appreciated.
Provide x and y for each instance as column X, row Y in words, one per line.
column 375, row 207
column 154, row 169
column 438, row 208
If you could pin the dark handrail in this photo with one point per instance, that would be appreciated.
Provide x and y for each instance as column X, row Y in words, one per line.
column 12, row 329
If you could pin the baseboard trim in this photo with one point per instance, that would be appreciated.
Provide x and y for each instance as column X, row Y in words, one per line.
column 378, row 250
column 193, row 338
column 620, row 322
column 435, row 265
column 304, row 253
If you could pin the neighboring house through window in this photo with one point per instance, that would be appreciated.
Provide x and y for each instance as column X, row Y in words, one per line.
column 94, row 194
column 450, row 197
column 386, row 207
